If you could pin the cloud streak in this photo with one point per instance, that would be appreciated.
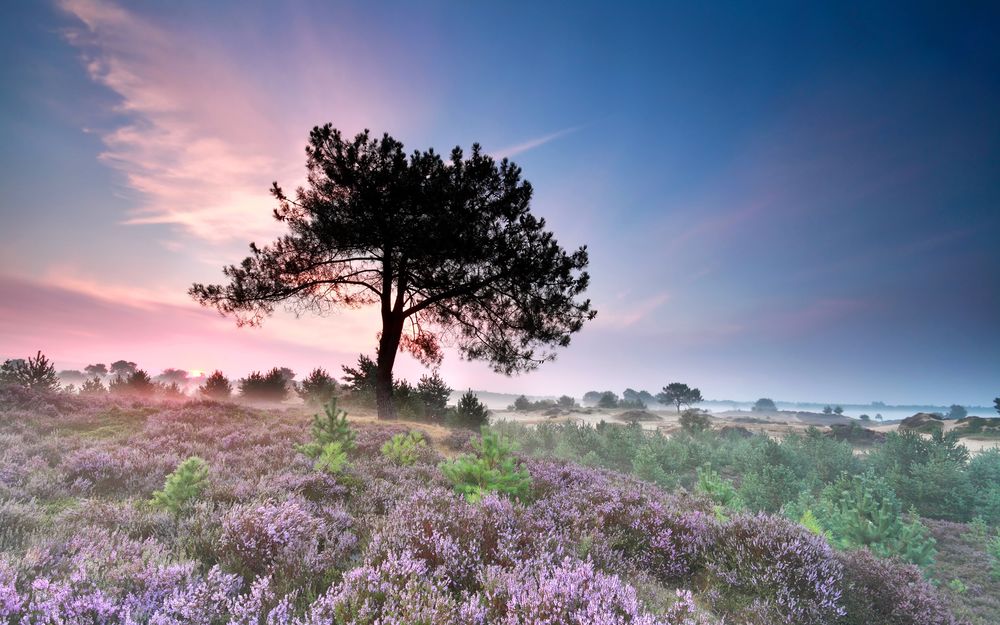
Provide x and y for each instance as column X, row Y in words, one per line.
column 531, row 144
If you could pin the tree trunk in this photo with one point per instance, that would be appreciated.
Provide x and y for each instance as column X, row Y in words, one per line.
column 388, row 344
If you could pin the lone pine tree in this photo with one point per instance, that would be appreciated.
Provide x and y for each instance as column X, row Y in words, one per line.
column 448, row 250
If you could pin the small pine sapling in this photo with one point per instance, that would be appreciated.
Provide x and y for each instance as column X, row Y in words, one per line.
column 403, row 449
column 332, row 439
column 186, row 483
column 493, row 468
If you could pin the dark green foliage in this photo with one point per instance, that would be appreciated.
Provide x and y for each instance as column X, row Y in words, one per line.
column 329, row 427
column 136, row 384
column 523, row 404
column 695, row 421
column 828, row 410
column 679, row 394
column 36, row 373
column 360, row 381
column 957, row 412
column 434, row 393
column 765, row 404
column 863, row 511
column 493, row 468
column 123, row 368
column 99, row 370
column 216, row 386
column 185, row 484
column 404, row 449
column 607, row 400
column 93, row 386
column 565, row 401
column 865, row 418
column 984, row 479
column 633, row 399
column 470, row 412
column 317, row 388
column 590, row 398
column 441, row 246
column 271, row 386
column 996, row 404
column 407, row 400
column 838, row 410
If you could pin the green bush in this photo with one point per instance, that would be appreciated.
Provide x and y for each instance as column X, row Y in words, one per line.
column 492, row 468
column 332, row 458
column 318, row 388
column 863, row 511
column 185, row 484
column 404, row 449
column 330, row 428
column 695, row 421
column 718, row 489
column 470, row 412
column 434, row 393
column 36, row 373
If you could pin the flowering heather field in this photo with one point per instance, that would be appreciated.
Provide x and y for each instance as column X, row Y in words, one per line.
column 271, row 540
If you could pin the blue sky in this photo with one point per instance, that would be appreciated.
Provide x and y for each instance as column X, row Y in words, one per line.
column 784, row 200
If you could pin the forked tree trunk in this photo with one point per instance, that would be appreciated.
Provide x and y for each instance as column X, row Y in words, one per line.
column 388, row 344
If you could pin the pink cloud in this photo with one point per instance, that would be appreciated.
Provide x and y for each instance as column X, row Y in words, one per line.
column 206, row 134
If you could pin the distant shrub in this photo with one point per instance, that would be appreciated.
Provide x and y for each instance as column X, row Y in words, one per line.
column 492, row 468
column 135, row 384
column 171, row 391
column 695, row 421
column 317, row 388
column 185, row 484
column 216, row 386
column 403, row 449
column 36, row 374
column 765, row 404
column 93, row 386
column 360, row 381
column 607, row 400
column 469, row 413
column 434, row 393
column 565, row 401
column 957, row 412
column 272, row 386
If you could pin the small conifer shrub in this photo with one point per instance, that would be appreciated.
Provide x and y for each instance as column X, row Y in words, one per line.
column 404, row 449
column 332, row 439
column 493, row 468
column 216, row 386
column 183, row 485
column 470, row 412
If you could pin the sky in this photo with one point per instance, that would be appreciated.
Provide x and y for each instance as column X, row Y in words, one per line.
column 779, row 199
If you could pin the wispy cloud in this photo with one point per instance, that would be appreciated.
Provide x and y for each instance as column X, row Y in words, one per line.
column 531, row 144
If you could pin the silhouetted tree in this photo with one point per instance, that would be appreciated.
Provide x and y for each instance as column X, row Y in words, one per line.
column 216, row 386
column 566, row 402
column 99, row 370
column 865, row 418
column 878, row 417
column 608, row 399
column 271, row 386
column 435, row 393
column 71, row 376
column 449, row 251
column 360, row 380
column 591, row 398
column 470, row 412
column 138, row 383
column 765, row 404
column 318, row 388
column 36, row 373
column 828, row 410
column 957, row 412
column 123, row 368
column 173, row 376
column 679, row 394
column 838, row 410
column 93, row 386
column 996, row 404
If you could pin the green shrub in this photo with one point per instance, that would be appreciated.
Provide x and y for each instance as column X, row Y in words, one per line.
column 332, row 458
column 492, row 468
column 863, row 511
column 36, row 373
column 329, row 428
column 404, row 449
column 216, row 386
column 695, row 421
column 318, row 388
column 271, row 386
column 185, row 484
column 434, row 393
column 718, row 489
column 470, row 412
